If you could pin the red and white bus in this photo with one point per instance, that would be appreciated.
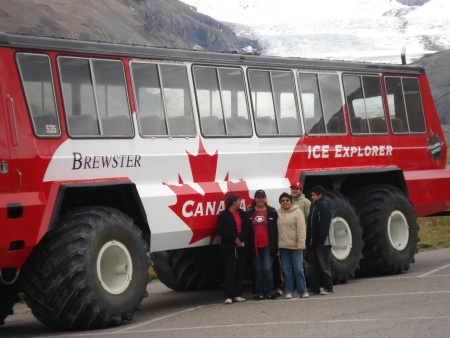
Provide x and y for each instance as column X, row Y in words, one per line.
column 108, row 152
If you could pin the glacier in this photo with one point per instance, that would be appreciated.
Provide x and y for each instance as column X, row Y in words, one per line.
column 354, row 30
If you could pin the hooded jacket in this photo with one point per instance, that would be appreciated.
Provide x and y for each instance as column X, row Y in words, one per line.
column 319, row 226
column 291, row 228
column 303, row 203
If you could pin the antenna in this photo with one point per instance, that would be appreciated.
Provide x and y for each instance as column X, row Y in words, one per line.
column 403, row 55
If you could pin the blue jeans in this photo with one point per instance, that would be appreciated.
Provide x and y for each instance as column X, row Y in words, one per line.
column 319, row 267
column 292, row 264
column 263, row 272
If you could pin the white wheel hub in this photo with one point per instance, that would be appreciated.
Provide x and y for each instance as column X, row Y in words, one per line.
column 342, row 237
column 398, row 230
column 114, row 267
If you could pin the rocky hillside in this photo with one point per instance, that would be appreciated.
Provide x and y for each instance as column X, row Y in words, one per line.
column 164, row 23
column 437, row 67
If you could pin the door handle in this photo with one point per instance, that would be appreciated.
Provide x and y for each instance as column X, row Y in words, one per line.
column 3, row 167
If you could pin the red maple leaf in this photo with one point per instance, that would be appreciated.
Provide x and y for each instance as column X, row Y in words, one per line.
column 199, row 210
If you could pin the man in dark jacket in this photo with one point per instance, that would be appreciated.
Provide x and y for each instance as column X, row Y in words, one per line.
column 319, row 239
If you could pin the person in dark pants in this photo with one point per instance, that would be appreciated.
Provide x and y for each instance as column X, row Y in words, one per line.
column 278, row 279
column 263, row 245
column 234, row 229
column 319, row 239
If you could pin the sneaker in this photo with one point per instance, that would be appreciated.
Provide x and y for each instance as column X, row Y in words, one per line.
column 258, row 298
column 288, row 296
column 324, row 292
column 239, row 299
column 271, row 297
column 228, row 301
column 305, row 295
column 278, row 292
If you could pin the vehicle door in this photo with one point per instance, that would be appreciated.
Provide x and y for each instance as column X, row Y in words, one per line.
column 5, row 172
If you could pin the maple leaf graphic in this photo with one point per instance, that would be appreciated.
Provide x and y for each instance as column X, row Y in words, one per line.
column 199, row 211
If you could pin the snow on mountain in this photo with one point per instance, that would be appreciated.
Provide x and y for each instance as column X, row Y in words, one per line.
column 365, row 30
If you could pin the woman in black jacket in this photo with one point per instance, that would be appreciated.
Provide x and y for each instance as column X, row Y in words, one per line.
column 264, row 246
column 234, row 230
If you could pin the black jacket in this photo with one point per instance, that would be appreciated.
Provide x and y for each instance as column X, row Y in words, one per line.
column 318, row 224
column 272, row 227
column 227, row 229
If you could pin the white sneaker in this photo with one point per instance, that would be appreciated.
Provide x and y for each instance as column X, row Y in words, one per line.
column 278, row 292
column 324, row 292
column 288, row 296
column 239, row 299
column 305, row 295
column 228, row 301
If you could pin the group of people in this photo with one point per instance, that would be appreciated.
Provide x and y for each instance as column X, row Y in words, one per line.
column 298, row 228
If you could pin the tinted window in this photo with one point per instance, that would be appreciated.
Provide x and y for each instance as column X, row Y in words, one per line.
column 95, row 99
column 163, row 99
column 365, row 104
column 274, row 103
column 405, row 105
column 221, row 101
column 36, row 75
column 320, row 96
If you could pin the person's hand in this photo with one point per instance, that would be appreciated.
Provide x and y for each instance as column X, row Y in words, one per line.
column 238, row 242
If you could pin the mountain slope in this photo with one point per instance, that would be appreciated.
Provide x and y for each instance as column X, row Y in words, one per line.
column 164, row 23
column 437, row 67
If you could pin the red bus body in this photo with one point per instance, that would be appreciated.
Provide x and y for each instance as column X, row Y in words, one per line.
column 171, row 185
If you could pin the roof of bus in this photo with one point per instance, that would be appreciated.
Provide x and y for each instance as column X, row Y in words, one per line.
column 226, row 58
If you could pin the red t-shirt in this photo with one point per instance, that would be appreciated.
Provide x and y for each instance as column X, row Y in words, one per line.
column 238, row 220
column 261, row 230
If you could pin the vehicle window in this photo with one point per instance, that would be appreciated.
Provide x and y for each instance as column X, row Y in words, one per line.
column 95, row 98
column 321, row 101
column 333, row 109
column 365, row 104
column 274, row 103
column 111, row 98
column 163, row 100
column 36, row 75
column 221, row 101
column 405, row 105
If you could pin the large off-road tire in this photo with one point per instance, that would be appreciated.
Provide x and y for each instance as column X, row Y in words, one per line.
column 198, row 268
column 91, row 271
column 347, row 252
column 390, row 230
column 8, row 297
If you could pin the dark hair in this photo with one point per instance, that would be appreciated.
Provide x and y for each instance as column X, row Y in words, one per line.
column 254, row 203
column 260, row 192
column 285, row 194
column 231, row 198
column 318, row 190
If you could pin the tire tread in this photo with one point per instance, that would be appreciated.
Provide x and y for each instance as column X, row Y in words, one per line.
column 57, row 278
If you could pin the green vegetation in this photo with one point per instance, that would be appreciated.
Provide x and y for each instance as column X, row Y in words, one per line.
column 434, row 233
column 152, row 273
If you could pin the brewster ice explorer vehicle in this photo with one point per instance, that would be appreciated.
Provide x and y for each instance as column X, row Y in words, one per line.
column 109, row 152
